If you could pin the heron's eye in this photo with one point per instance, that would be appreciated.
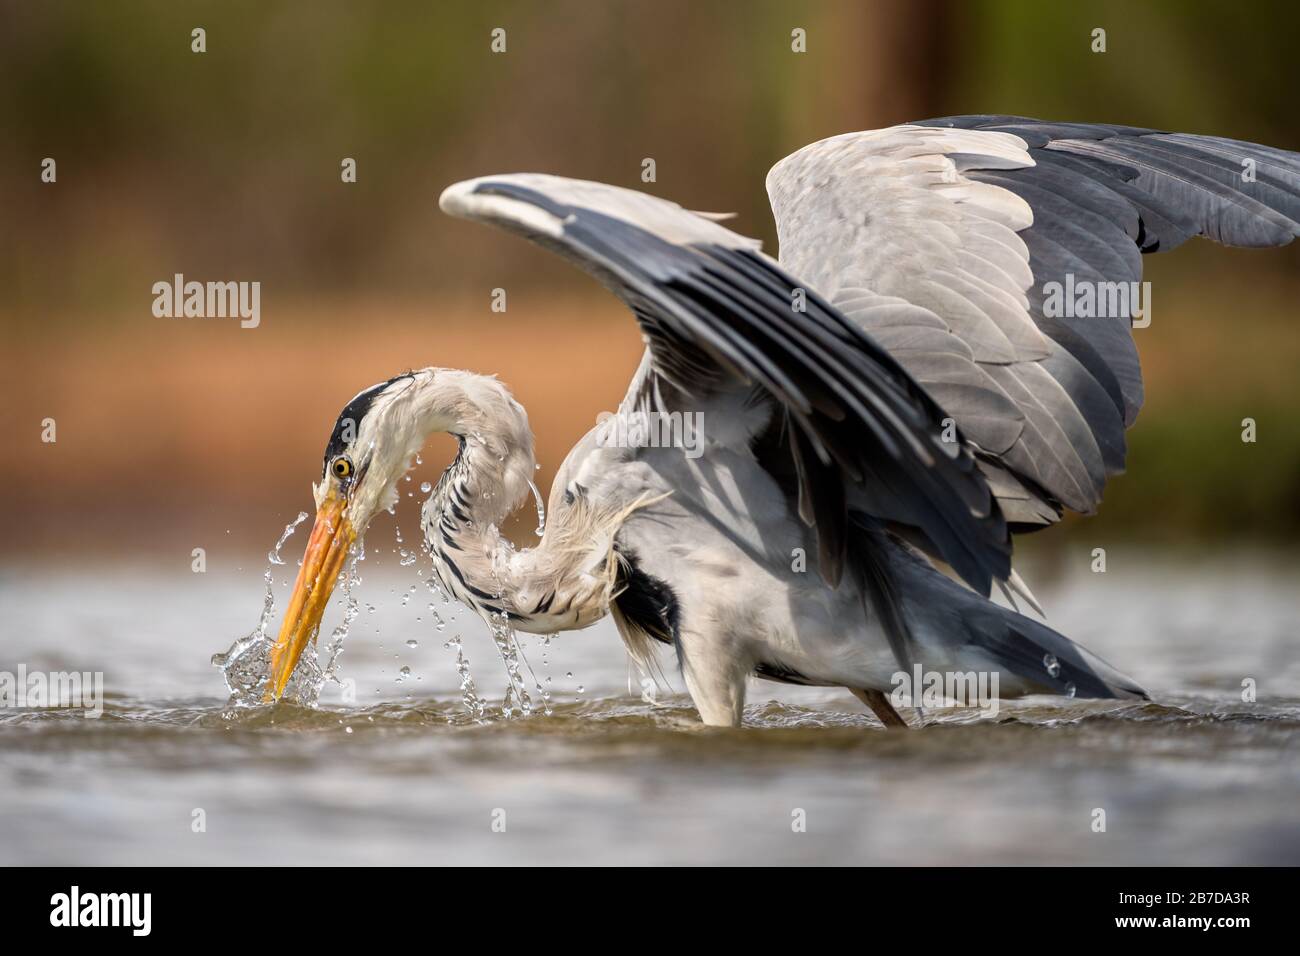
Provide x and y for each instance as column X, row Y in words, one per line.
column 342, row 467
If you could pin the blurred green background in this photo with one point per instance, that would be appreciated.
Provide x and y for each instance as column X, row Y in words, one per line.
column 225, row 165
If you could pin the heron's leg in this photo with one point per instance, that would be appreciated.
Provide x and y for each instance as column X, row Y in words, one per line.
column 715, row 681
column 880, row 706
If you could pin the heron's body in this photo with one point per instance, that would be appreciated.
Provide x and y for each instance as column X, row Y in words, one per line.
column 708, row 554
column 902, row 390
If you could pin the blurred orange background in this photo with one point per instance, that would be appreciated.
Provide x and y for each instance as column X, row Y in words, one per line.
column 225, row 165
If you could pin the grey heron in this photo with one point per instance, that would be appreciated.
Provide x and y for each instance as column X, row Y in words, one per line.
column 897, row 394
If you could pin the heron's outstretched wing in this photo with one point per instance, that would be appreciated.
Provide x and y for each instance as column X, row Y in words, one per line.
column 959, row 243
column 717, row 314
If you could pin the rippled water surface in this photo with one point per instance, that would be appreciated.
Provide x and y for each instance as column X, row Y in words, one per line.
column 393, row 769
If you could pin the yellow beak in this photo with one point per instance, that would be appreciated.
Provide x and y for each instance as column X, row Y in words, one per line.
column 331, row 537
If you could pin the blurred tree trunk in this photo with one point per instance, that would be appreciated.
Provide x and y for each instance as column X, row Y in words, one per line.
column 893, row 61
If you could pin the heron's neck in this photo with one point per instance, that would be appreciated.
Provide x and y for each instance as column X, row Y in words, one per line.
column 567, row 580
column 488, row 480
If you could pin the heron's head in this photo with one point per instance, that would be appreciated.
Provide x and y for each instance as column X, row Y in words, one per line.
column 372, row 446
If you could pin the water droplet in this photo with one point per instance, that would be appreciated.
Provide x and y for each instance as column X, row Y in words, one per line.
column 1070, row 690
column 412, row 643
column 541, row 510
column 1052, row 665
column 425, row 487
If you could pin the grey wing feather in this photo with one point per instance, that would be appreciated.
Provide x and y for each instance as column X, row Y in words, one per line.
column 959, row 226
column 717, row 314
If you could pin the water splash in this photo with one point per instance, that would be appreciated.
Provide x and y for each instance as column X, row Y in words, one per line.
column 507, row 642
column 469, row 694
column 475, row 704
column 334, row 647
column 503, row 635
column 273, row 555
column 246, row 665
